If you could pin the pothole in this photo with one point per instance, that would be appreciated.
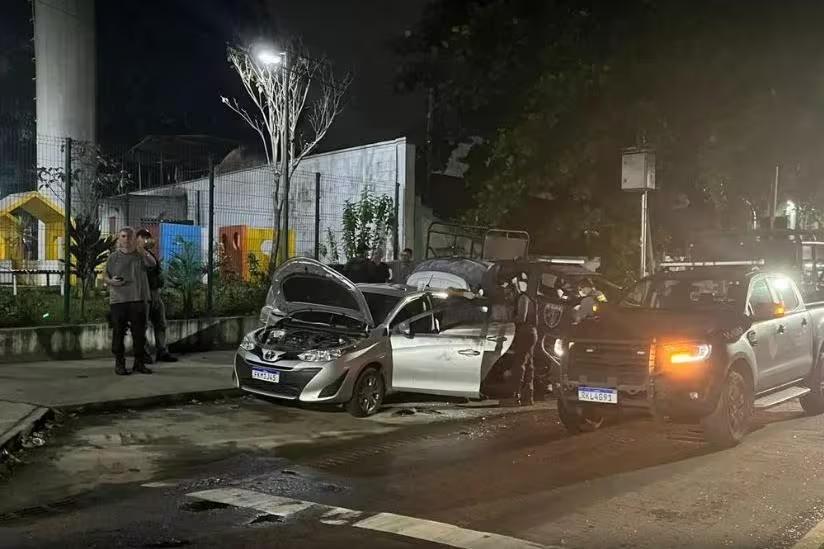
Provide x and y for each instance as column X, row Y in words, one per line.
column 168, row 543
column 201, row 505
column 265, row 518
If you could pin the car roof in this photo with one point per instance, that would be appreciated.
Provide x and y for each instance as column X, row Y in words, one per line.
column 397, row 290
column 696, row 273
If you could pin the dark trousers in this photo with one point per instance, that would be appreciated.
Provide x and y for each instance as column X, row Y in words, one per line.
column 130, row 316
column 157, row 316
column 526, row 337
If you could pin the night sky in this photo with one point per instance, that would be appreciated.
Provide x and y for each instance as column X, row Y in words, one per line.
column 162, row 64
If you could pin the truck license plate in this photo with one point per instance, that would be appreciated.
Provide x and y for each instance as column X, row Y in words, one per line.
column 597, row 394
column 266, row 375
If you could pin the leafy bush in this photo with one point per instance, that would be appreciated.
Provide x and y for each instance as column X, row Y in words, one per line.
column 185, row 274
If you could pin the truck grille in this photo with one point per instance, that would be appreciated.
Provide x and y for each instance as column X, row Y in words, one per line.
column 609, row 363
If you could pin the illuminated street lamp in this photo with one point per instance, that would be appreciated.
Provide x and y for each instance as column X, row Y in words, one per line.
column 268, row 56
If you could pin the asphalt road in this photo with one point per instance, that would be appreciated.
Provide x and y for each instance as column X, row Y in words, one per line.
column 254, row 474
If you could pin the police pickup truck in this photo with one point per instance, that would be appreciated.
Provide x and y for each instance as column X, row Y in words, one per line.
column 704, row 342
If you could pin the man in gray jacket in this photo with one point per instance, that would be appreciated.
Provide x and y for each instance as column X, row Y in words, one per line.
column 128, row 296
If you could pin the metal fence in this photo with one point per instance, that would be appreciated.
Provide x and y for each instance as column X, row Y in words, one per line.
column 180, row 193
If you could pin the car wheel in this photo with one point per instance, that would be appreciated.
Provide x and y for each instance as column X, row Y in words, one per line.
column 813, row 402
column 727, row 425
column 368, row 393
column 579, row 419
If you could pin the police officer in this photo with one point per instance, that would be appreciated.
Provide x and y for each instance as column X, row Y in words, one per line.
column 526, row 336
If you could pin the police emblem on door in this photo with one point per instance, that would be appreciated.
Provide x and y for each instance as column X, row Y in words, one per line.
column 552, row 315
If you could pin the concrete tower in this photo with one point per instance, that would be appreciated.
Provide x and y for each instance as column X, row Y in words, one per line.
column 66, row 85
column 65, row 65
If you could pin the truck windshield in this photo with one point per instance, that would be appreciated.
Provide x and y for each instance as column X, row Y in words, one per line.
column 679, row 293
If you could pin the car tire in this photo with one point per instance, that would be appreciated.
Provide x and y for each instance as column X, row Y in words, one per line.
column 729, row 422
column 579, row 419
column 367, row 394
column 813, row 402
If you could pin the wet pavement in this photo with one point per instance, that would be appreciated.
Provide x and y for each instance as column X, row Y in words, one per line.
column 254, row 474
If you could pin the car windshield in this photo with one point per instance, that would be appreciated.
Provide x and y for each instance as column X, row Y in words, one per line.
column 380, row 305
column 680, row 293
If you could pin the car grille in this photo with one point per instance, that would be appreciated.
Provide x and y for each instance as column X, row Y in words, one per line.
column 610, row 363
column 291, row 382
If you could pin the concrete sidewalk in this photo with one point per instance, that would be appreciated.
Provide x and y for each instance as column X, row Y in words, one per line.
column 29, row 391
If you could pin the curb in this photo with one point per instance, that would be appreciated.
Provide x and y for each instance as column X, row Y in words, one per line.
column 148, row 401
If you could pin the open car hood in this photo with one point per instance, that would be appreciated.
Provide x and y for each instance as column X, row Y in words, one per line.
column 304, row 284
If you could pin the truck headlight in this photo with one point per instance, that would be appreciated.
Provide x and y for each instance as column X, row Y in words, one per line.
column 686, row 353
column 559, row 348
column 248, row 343
column 316, row 355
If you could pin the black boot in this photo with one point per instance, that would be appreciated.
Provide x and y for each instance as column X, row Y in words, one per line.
column 140, row 368
column 166, row 357
column 120, row 367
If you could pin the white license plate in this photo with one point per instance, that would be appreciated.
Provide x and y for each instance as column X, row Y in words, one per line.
column 266, row 375
column 597, row 394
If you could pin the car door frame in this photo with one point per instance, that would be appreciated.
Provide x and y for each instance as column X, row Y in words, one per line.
column 794, row 334
column 763, row 338
column 419, row 360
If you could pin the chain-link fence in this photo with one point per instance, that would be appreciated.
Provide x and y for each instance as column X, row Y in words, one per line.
column 173, row 188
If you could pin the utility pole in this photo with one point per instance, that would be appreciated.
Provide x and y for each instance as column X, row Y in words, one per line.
column 775, row 198
column 67, row 236
column 210, row 260
column 284, row 158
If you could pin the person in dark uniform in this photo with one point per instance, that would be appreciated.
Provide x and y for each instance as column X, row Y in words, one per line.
column 526, row 336
column 360, row 269
column 382, row 273
column 157, row 309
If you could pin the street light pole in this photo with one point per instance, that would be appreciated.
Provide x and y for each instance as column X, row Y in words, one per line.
column 284, row 158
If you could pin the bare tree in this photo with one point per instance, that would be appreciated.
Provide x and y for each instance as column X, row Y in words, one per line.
column 315, row 98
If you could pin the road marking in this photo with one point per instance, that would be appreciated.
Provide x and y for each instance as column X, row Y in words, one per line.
column 814, row 538
column 410, row 527
column 158, row 485
column 438, row 532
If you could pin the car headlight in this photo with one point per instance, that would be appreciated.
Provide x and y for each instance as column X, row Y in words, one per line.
column 248, row 343
column 559, row 348
column 316, row 355
column 686, row 353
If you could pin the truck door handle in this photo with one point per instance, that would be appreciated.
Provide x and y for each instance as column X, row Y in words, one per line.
column 803, row 322
column 469, row 352
column 496, row 339
column 780, row 329
column 752, row 338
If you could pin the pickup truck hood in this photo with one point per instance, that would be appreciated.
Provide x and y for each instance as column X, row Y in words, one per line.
column 643, row 324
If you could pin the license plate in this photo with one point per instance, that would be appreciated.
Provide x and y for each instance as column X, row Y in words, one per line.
column 266, row 375
column 597, row 394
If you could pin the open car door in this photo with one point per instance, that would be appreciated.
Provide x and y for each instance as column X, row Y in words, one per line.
column 439, row 347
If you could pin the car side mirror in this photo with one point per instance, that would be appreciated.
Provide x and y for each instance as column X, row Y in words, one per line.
column 405, row 328
column 768, row 311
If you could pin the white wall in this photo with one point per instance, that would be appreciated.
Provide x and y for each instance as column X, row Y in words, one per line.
column 245, row 197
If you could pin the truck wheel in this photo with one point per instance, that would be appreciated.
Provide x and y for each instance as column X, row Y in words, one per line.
column 813, row 402
column 579, row 419
column 367, row 394
column 727, row 425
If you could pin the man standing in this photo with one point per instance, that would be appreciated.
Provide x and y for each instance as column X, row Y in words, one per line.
column 406, row 265
column 157, row 309
column 128, row 294
column 526, row 336
column 359, row 269
column 382, row 274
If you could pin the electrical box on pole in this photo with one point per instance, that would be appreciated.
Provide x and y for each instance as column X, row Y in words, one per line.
column 638, row 175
